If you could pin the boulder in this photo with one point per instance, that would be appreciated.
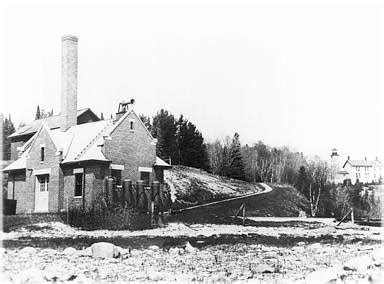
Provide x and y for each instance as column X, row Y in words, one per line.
column 58, row 273
column 82, row 279
column 176, row 250
column 301, row 243
column 31, row 275
column 360, row 263
column 264, row 268
column 85, row 252
column 154, row 248
column 323, row 276
column 27, row 251
column 378, row 256
column 2, row 251
column 189, row 248
column 70, row 251
column 315, row 246
column 105, row 250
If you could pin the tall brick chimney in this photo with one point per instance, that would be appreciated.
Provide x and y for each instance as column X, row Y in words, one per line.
column 68, row 82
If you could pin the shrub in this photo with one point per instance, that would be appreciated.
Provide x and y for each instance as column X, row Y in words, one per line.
column 100, row 216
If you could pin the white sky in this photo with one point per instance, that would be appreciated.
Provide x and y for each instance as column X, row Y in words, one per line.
column 308, row 74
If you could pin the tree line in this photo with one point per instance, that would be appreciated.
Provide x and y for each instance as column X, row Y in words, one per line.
column 180, row 142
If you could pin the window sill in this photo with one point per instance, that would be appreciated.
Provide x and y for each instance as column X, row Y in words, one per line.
column 78, row 197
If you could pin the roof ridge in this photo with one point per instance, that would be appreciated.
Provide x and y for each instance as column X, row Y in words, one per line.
column 92, row 141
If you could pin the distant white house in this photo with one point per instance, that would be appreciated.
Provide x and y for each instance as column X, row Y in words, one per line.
column 365, row 171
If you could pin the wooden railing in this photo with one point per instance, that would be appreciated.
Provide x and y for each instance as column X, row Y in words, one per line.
column 154, row 198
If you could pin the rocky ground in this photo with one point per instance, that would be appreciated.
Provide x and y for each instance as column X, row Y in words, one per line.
column 304, row 252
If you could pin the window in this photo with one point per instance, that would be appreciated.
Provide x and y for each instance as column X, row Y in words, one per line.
column 79, row 184
column 145, row 177
column 42, row 154
column 43, row 182
column 116, row 175
column 131, row 125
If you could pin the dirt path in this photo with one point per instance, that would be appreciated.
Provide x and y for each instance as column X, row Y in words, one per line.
column 228, row 201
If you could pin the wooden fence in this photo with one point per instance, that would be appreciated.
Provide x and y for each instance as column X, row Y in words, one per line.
column 154, row 198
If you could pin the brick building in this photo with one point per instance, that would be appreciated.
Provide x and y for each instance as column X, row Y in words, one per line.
column 63, row 160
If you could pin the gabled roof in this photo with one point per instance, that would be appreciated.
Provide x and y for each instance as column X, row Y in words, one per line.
column 21, row 162
column 162, row 164
column 80, row 142
column 362, row 163
column 52, row 122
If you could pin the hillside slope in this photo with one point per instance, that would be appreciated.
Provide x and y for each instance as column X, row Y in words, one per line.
column 194, row 185
column 190, row 186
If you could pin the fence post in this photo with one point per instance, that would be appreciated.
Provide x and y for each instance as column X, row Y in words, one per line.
column 127, row 193
column 156, row 195
column 109, row 191
column 244, row 214
column 67, row 211
column 352, row 216
column 140, row 194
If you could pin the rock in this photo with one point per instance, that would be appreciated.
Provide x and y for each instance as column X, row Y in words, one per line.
column 70, row 251
column 28, row 251
column 5, row 277
column 302, row 214
column 154, row 248
column 323, row 276
column 264, row 268
column 378, row 256
column 325, row 231
column 2, row 251
column 315, row 246
column 85, row 252
column 189, row 248
column 58, row 273
column 176, row 251
column 358, row 263
column 270, row 255
column 82, row 279
column 301, row 243
column 31, row 275
column 105, row 250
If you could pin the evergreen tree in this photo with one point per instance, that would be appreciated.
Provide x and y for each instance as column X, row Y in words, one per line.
column 38, row 114
column 8, row 129
column 236, row 166
column 302, row 179
column 101, row 116
column 146, row 121
column 164, row 129
column 190, row 143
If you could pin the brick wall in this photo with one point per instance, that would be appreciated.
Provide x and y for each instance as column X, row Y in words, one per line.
column 133, row 149
column 51, row 161
column 93, row 185
column 16, row 180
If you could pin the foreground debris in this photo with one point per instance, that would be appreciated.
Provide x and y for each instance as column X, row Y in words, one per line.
column 103, row 261
column 351, row 253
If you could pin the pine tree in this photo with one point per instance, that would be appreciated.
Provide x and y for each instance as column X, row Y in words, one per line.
column 236, row 166
column 38, row 114
column 146, row 121
column 8, row 129
column 190, row 143
column 164, row 129
column 101, row 116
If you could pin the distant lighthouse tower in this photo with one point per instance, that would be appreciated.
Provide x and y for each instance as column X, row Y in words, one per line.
column 335, row 164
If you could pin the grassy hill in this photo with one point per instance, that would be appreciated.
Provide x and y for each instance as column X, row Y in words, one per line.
column 190, row 186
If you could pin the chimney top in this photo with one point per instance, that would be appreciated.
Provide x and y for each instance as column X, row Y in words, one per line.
column 69, row 37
